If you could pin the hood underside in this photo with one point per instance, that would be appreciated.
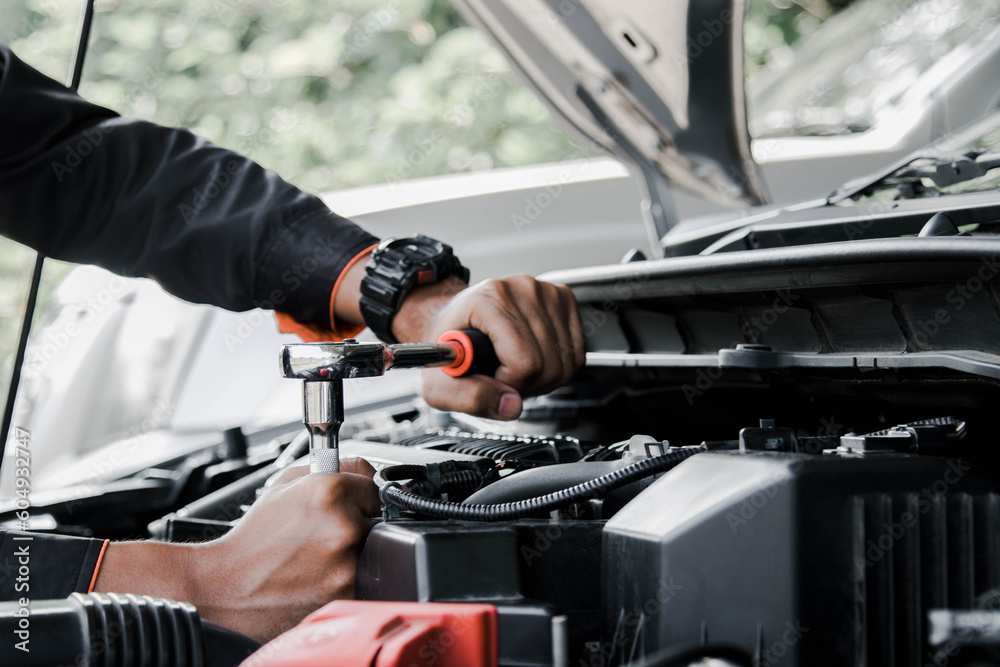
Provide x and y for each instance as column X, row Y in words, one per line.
column 658, row 84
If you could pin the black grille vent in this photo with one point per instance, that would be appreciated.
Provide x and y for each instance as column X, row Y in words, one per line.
column 542, row 449
column 914, row 552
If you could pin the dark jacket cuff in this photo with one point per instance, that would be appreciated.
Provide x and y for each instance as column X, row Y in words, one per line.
column 301, row 266
column 41, row 566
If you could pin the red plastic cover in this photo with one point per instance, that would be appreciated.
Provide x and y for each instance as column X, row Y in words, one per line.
column 354, row 633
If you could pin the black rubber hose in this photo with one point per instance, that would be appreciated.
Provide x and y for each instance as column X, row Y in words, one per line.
column 393, row 493
column 543, row 480
column 109, row 629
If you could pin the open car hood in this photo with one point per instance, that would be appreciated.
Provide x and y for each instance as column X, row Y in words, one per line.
column 658, row 84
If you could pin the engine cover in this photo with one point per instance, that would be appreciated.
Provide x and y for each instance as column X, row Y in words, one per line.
column 799, row 559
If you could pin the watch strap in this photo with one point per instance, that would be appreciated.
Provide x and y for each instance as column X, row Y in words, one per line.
column 380, row 299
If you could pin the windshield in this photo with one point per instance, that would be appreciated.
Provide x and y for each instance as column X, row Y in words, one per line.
column 16, row 263
column 858, row 64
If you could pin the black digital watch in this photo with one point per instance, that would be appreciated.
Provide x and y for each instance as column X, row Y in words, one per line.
column 395, row 268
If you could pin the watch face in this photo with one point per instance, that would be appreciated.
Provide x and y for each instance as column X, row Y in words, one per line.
column 417, row 248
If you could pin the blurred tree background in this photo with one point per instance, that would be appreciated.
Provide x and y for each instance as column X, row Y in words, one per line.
column 329, row 94
column 773, row 27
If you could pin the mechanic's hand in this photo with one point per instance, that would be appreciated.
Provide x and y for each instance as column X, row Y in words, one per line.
column 535, row 329
column 294, row 551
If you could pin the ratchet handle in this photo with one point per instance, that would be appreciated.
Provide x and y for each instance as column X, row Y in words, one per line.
column 475, row 353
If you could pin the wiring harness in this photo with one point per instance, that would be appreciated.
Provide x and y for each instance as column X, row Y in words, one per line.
column 393, row 494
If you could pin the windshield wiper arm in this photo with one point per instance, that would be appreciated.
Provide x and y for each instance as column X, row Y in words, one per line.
column 951, row 169
column 943, row 169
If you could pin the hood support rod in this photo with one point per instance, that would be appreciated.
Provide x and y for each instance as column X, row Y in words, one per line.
column 76, row 73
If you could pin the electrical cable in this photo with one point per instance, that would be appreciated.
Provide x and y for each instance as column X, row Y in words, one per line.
column 445, row 477
column 392, row 493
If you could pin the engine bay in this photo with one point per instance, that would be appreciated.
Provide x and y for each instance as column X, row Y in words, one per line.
column 789, row 543
column 764, row 477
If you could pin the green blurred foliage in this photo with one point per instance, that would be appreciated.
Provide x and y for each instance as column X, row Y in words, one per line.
column 42, row 32
column 336, row 93
column 774, row 26
column 329, row 94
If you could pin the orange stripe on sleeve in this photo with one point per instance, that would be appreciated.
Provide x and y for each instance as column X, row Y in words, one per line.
column 354, row 331
column 97, row 568
column 311, row 333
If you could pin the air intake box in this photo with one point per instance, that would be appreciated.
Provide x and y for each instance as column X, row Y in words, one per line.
column 799, row 559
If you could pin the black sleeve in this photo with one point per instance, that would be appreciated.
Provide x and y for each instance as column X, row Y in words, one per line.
column 211, row 226
column 40, row 566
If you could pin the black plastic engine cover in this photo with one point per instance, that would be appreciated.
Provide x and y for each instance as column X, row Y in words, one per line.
column 543, row 576
column 799, row 559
